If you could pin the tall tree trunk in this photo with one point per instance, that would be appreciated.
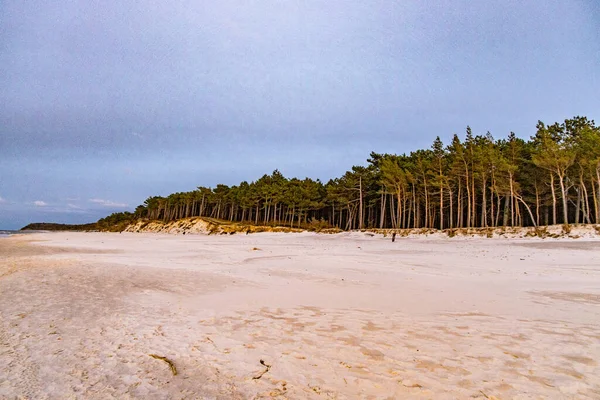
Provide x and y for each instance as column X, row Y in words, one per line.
column 578, row 205
column 415, row 208
column 553, row 199
column 393, row 212
column 537, row 204
column 586, row 204
column 459, row 209
column 441, row 205
column 382, row 211
column 563, row 191
column 404, row 214
column 418, row 211
column 498, row 208
column 398, row 211
column 506, row 209
column 528, row 210
column 513, row 204
column 483, row 203
column 473, row 197
column 596, row 203
column 360, row 215
column 410, row 210
column 451, row 214
column 426, row 203
column 597, row 197
column 492, row 203
column 332, row 216
column 468, row 199
column 349, row 222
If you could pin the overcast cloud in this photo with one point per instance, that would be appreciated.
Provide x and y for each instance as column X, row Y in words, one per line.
column 105, row 103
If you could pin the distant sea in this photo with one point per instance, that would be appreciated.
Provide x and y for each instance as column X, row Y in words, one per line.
column 7, row 232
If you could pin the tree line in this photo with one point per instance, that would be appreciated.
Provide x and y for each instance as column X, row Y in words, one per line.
column 479, row 181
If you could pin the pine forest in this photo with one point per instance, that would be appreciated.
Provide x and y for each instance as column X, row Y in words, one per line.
column 473, row 181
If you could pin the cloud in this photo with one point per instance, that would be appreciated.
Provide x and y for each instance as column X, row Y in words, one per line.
column 107, row 203
column 74, row 207
column 137, row 134
column 2, row 200
column 40, row 203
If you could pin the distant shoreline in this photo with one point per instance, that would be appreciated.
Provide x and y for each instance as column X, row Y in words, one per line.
column 10, row 232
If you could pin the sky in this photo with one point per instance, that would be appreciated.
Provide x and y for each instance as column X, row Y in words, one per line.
column 105, row 103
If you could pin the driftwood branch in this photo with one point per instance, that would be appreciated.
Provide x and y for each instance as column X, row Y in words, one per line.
column 165, row 359
column 267, row 366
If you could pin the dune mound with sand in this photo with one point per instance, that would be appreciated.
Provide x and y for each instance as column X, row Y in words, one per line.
column 203, row 225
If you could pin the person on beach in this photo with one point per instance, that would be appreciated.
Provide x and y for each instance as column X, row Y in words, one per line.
column 393, row 237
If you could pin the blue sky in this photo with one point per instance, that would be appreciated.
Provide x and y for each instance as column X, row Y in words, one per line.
column 106, row 103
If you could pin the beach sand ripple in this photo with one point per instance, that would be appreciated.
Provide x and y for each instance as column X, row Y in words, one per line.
column 348, row 316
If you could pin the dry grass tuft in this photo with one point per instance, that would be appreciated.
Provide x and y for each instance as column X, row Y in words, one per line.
column 541, row 231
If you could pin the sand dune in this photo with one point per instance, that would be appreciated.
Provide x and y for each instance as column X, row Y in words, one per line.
column 298, row 316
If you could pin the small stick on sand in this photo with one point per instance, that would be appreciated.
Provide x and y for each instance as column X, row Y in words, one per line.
column 165, row 359
column 264, row 372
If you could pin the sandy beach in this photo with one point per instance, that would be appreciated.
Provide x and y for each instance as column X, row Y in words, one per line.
column 298, row 316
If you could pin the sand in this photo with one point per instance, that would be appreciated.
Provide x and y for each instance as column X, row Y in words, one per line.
column 298, row 316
